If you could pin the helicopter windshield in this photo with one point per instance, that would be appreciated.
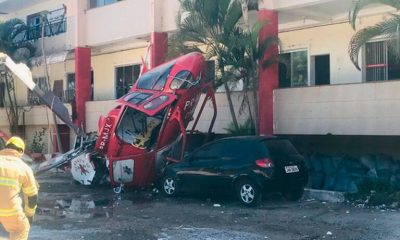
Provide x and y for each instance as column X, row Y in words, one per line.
column 155, row 79
column 139, row 129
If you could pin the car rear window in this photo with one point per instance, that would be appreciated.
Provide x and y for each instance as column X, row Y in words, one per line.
column 279, row 147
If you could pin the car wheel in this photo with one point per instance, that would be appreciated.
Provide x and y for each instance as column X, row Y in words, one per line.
column 293, row 193
column 169, row 186
column 248, row 192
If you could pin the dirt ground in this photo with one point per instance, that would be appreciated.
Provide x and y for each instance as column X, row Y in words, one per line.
column 70, row 211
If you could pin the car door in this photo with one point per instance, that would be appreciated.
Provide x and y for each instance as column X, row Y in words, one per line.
column 196, row 174
column 226, row 165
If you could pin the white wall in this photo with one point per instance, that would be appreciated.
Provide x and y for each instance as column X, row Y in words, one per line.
column 350, row 109
column 118, row 21
column 96, row 109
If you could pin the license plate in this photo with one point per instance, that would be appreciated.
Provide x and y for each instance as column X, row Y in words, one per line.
column 291, row 169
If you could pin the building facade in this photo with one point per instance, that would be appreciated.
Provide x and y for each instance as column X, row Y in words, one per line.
column 94, row 51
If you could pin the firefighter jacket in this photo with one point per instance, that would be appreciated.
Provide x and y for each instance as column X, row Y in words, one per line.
column 15, row 176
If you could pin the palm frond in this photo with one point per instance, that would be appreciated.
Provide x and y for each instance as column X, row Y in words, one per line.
column 359, row 39
column 12, row 35
column 361, row 4
column 388, row 29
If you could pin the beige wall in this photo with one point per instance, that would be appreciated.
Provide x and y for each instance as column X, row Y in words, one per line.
column 350, row 109
column 104, row 70
column 332, row 39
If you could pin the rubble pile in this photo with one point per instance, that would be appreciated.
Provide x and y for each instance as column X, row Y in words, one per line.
column 346, row 173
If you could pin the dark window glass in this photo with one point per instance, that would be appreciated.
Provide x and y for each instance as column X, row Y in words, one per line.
column 125, row 78
column 182, row 80
column 137, row 98
column 280, row 147
column 155, row 79
column 380, row 62
column 99, row 3
column 2, row 94
column 42, row 84
column 210, row 71
column 293, row 69
column 70, row 92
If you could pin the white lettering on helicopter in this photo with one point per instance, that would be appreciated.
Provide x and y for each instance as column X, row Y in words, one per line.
column 189, row 104
column 105, row 135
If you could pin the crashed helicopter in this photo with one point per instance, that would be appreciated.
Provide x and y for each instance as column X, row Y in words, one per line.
column 144, row 133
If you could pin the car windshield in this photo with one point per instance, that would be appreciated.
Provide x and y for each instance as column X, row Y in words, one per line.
column 279, row 147
column 156, row 78
column 139, row 129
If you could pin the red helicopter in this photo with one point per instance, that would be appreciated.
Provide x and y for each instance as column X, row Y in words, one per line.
column 145, row 132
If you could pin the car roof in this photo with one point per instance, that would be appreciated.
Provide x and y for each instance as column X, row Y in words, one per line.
column 247, row 138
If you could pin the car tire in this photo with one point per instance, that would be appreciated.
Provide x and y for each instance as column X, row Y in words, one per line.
column 169, row 186
column 248, row 193
column 293, row 193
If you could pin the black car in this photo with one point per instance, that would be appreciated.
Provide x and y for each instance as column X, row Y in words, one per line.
column 248, row 166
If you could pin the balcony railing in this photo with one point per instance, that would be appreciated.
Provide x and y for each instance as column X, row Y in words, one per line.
column 50, row 29
column 68, row 96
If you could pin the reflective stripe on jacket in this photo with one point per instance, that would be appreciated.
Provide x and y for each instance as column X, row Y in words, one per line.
column 15, row 176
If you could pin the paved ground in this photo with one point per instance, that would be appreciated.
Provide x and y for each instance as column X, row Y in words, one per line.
column 69, row 211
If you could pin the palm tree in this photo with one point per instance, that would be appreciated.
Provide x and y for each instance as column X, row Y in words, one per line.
column 12, row 42
column 216, row 26
column 389, row 28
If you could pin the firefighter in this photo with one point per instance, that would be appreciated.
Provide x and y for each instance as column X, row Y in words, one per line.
column 16, row 176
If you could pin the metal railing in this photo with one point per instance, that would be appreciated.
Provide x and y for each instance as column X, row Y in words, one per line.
column 50, row 29
column 68, row 96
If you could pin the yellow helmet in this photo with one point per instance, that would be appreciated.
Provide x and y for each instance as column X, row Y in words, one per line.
column 17, row 142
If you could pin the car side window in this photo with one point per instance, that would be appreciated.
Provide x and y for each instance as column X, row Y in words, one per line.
column 233, row 149
column 208, row 152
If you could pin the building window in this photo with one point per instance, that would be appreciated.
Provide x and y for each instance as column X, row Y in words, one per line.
column 293, row 69
column 380, row 63
column 126, row 76
column 42, row 84
column 69, row 95
column 55, row 24
column 210, row 71
column 99, row 3
column 2, row 94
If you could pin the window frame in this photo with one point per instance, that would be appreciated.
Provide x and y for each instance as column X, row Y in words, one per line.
column 295, row 50
column 364, row 60
column 123, row 66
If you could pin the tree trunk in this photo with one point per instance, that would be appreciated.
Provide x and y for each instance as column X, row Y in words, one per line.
column 256, row 117
column 231, row 108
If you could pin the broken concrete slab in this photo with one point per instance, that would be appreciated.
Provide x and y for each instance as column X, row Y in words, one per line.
column 324, row 195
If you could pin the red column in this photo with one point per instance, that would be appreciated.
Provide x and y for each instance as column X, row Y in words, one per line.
column 83, row 89
column 158, row 48
column 269, row 78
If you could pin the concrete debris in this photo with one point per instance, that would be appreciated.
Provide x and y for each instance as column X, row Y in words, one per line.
column 329, row 233
column 324, row 196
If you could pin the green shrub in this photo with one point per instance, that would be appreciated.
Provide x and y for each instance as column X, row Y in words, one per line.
column 244, row 129
column 37, row 144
